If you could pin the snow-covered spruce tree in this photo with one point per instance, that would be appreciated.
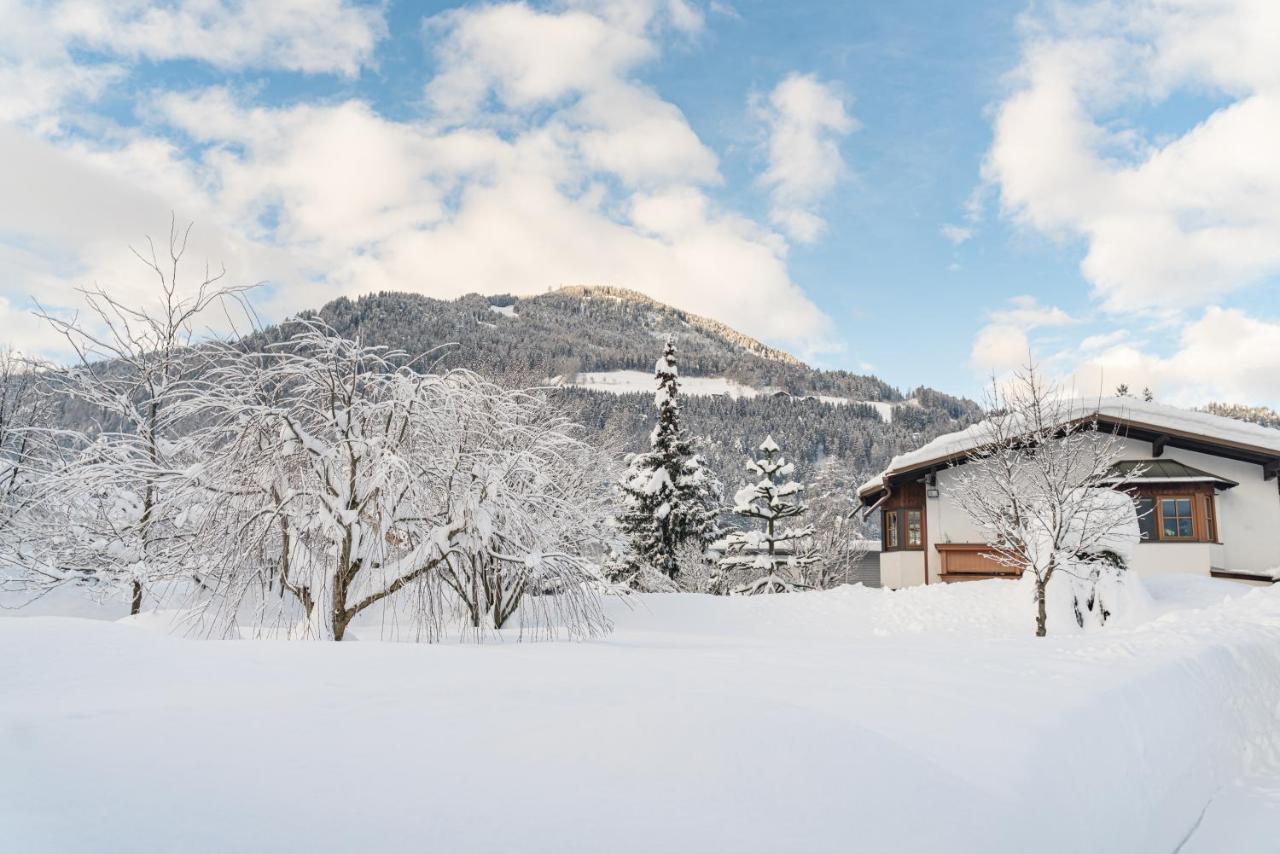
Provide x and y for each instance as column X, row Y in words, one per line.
column 1041, row 489
column 101, row 513
column 338, row 478
column 771, row 559
column 669, row 496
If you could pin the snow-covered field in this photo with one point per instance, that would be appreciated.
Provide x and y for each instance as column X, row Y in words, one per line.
column 629, row 382
column 924, row 720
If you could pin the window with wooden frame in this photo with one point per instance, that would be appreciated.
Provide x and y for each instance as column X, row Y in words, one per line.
column 1148, row 527
column 889, row 524
column 912, row 529
column 903, row 528
column 1177, row 519
column 1169, row 514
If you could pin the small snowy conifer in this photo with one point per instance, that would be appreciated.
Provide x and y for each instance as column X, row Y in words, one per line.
column 771, row 560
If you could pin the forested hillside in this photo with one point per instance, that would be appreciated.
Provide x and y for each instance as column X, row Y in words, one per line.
column 583, row 329
column 572, row 330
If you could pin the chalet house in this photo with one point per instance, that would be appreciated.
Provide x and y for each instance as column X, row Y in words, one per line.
column 1207, row 495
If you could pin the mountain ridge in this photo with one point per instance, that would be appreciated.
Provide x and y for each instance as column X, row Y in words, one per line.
column 854, row 421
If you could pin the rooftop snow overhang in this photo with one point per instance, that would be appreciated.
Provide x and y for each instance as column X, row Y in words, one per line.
column 1129, row 425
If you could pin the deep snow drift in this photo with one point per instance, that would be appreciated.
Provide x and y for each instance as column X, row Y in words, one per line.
column 851, row 720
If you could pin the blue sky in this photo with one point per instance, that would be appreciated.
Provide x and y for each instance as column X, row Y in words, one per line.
column 927, row 190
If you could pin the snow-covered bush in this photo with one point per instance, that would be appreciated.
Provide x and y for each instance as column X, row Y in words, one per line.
column 341, row 478
column 771, row 559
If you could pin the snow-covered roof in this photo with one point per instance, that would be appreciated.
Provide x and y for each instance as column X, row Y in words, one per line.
column 1156, row 416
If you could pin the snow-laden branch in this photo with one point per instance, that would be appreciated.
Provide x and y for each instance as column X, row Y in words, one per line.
column 1041, row 488
column 359, row 481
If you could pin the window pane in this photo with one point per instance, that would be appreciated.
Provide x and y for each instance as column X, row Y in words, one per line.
column 891, row 529
column 913, row 527
column 1175, row 518
column 1146, row 508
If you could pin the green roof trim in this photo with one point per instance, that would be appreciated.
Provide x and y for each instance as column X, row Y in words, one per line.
column 1167, row 470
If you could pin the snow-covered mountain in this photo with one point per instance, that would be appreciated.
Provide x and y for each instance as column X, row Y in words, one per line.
column 599, row 344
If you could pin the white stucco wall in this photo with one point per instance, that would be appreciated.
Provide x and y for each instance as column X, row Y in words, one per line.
column 1248, row 514
column 1248, row 520
column 1167, row 558
column 901, row 569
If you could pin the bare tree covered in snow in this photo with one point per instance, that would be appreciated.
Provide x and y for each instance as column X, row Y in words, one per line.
column 839, row 534
column 342, row 478
column 772, row 559
column 1041, row 489
column 22, row 410
column 102, row 511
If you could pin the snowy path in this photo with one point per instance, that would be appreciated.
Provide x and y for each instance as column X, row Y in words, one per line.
column 853, row 720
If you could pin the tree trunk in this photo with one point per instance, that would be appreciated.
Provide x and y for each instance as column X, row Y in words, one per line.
column 135, row 607
column 338, row 611
column 1042, row 617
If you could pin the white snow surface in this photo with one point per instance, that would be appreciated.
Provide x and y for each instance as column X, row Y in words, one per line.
column 920, row 720
column 1129, row 408
column 504, row 310
column 629, row 382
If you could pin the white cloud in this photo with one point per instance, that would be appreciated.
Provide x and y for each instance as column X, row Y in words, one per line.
column 23, row 332
column 1025, row 311
column 644, row 15
column 1224, row 355
column 93, row 205
column 999, row 348
column 296, row 35
column 806, row 119
column 37, row 72
column 43, row 86
column 1102, row 341
column 1172, row 221
column 1169, row 222
column 1004, row 343
column 957, row 234
column 536, row 172
column 525, row 57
